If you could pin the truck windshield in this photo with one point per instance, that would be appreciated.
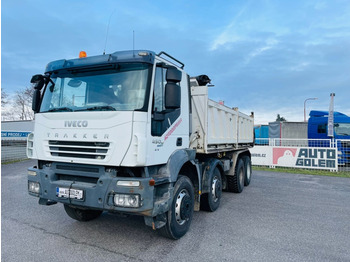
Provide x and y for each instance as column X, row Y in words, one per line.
column 123, row 88
column 342, row 129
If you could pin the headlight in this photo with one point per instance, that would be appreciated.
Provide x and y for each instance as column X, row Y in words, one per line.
column 124, row 200
column 33, row 187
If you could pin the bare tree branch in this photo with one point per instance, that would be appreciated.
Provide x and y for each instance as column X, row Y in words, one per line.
column 4, row 98
column 23, row 103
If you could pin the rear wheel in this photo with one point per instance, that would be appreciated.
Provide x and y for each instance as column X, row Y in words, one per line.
column 247, row 170
column 235, row 183
column 211, row 201
column 82, row 214
column 180, row 215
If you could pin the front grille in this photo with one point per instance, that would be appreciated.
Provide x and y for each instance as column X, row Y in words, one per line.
column 78, row 168
column 86, row 150
column 85, row 179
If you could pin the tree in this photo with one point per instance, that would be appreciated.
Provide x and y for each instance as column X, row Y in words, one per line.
column 6, row 110
column 280, row 118
column 4, row 98
column 23, row 103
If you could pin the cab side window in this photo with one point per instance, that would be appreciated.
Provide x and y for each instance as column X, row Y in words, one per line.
column 159, row 90
column 322, row 129
column 166, row 99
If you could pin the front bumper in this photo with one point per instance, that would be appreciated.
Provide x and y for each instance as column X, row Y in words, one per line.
column 99, row 186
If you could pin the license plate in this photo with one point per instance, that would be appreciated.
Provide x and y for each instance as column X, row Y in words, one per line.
column 69, row 193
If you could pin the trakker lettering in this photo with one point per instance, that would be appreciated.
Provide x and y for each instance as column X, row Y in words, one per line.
column 77, row 136
column 75, row 123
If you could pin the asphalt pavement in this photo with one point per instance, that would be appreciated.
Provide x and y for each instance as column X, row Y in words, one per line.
column 279, row 217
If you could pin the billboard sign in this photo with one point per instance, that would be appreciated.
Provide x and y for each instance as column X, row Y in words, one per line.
column 261, row 155
column 305, row 157
column 14, row 134
column 296, row 157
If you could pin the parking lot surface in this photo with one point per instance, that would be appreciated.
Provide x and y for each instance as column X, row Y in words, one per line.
column 279, row 217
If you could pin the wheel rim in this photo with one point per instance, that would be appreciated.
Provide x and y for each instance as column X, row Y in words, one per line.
column 183, row 207
column 241, row 176
column 248, row 172
column 215, row 189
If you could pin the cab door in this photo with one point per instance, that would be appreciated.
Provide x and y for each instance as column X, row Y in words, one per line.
column 169, row 125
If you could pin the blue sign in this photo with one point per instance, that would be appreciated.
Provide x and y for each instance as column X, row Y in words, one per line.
column 14, row 134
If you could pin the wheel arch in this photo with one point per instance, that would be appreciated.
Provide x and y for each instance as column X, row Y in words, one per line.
column 182, row 159
column 182, row 162
column 209, row 168
column 235, row 157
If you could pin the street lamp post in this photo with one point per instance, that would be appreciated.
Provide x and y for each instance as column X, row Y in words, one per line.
column 313, row 98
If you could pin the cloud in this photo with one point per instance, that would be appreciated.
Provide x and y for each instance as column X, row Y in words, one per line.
column 230, row 33
column 269, row 44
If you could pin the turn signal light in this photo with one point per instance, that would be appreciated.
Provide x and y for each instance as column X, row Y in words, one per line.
column 152, row 182
column 82, row 54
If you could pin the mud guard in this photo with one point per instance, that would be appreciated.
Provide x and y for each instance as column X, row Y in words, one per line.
column 208, row 170
column 175, row 163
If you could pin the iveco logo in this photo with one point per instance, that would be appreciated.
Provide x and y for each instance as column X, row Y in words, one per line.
column 83, row 123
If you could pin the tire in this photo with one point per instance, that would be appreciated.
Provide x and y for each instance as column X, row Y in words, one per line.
column 211, row 201
column 247, row 170
column 179, row 217
column 235, row 183
column 82, row 214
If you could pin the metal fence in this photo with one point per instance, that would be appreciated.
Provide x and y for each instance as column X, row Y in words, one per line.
column 13, row 150
column 265, row 152
column 296, row 142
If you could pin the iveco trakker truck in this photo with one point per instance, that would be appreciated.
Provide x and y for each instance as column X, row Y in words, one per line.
column 131, row 132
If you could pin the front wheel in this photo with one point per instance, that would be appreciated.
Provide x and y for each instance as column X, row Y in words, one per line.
column 180, row 215
column 82, row 214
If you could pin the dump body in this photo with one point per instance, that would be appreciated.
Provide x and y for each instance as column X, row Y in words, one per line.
column 216, row 127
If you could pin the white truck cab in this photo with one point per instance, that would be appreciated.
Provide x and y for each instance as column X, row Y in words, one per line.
column 131, row 132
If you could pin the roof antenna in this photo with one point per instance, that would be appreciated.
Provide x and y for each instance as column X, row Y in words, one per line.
column 109, row 21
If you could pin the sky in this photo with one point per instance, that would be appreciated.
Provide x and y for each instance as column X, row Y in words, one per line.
column 263, row 56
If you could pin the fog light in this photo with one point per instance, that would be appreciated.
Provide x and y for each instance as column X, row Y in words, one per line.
column 31, row 173
column 33, row 187
column 128, row 183
column 124, row 200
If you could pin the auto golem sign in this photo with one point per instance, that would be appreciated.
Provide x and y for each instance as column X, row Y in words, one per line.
column 308, row 157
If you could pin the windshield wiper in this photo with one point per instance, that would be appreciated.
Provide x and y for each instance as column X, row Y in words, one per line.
column 60, row 109
column 98, row 108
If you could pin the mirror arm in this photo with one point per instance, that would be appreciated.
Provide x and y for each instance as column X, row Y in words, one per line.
column 49, row 80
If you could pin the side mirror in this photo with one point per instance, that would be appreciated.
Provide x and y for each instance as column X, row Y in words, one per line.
column 36, row 101
column 38, row 81
column 172, row 96
column 172, row 90
column 173, row 75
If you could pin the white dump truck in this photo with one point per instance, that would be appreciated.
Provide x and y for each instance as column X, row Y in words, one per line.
column 131, row 132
